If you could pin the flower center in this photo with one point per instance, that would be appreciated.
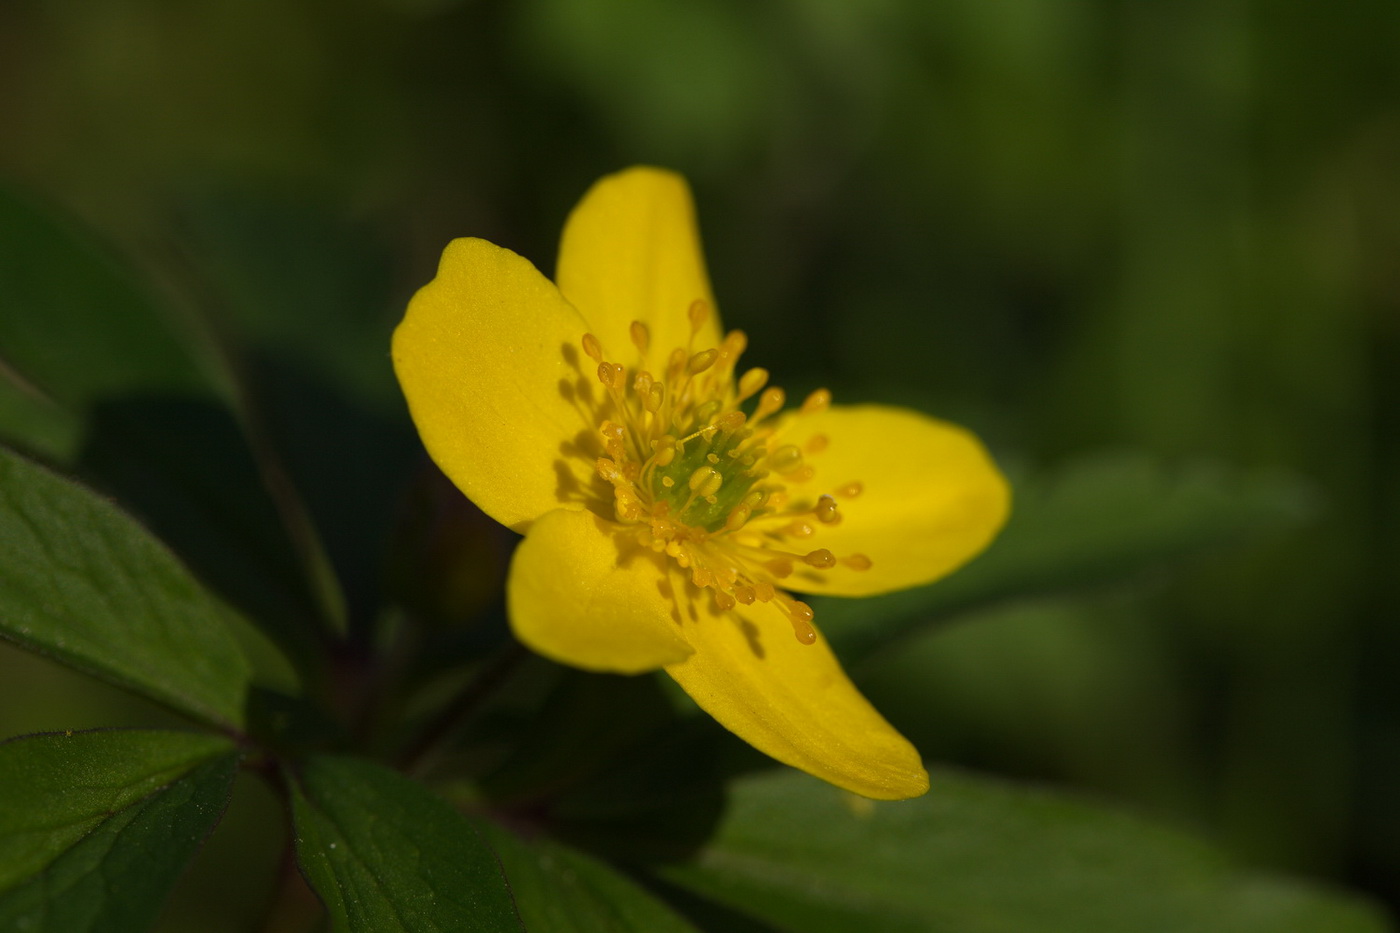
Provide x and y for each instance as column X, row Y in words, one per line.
column 699, row 471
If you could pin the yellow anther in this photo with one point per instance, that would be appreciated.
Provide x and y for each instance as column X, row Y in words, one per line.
column 593, row 348
column 699, row 313
column 769, row 402
column 821, row 558
column 800, row 529
column 802, row 474
column 702, row 361
column 745, row 595
column 706, row 481
column 737, row 519
column 800, row 615
column 785, row 459
column 779, row 567
column 642, row 383
column 724, row 601
column 702, row 577
column 730, row 422
column 751, row 381
column 664, row 456
column 667, row 482
column 825, row 510
column 611, row 375
column 820, row 400
column 654, row 397
column 857, row 562
column 851, row 490
column 611, row 429
column 763, row 591
column 608, row 470
column 641, row 339
column 817, row 443
column 713, row 458
column 734, row 344
column 755, row 499
column 675, row 363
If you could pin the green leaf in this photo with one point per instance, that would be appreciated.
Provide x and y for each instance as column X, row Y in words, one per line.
column 95, row 827
column 1095, row 521
column 384, row 853
column 77, row 328
column 562, row 890
column 983, row 856
column 83, row 583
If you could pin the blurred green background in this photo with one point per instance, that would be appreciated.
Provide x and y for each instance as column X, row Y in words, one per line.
column 1157, row 236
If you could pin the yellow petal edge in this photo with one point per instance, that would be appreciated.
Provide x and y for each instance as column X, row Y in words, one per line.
column 794, row 703
column 481, row 357
column 586, row 596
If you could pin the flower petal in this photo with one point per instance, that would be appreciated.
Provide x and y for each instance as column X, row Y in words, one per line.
column 487, row 358
column 631, row 252
column 931, row 498
column 793, row 702
column 585, row 594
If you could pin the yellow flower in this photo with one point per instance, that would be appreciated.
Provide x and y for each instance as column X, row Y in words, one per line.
column 670, row 503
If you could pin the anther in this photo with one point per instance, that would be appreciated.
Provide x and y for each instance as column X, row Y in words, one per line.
column 820, row 400
column 763, row 591
column 769, row 402
column 779, row 567
column 751, row 381
column 857, row 562
column 825, row 510
column 800, row 615
column 817, row 443
column 730, row 421
column 705, row 481
column 785, row 459
column 593, row 348
column 821, row 558
column 745, row 595
column 851, row 490
column 724, row 601
column 800, row 529
column 611, row 375
column 699, row 313
column 702, row 361
column 737, row 519
column 641, row 339
column 654, row 397
column 608, row 470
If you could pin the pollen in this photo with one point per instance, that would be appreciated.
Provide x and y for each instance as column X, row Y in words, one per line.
column 707, row 470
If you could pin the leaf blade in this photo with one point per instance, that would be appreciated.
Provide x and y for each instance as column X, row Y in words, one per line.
column 82, row 582
column 984, row 856
column 96, row 827
column 562, row 890
column 384, row 853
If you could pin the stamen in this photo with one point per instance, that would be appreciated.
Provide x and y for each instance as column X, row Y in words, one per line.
column 825, row 510
column 611, row 375
column 641, row 338
column 857, row 562
column 592, row 348
column 751, row 381
column 821, row 558
column 851, row 490
column 699, row 313
column 817, row 443
column 702, row 361
column 800, row 615
column 785, row 459
column 820, row 400
column 769, row 402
